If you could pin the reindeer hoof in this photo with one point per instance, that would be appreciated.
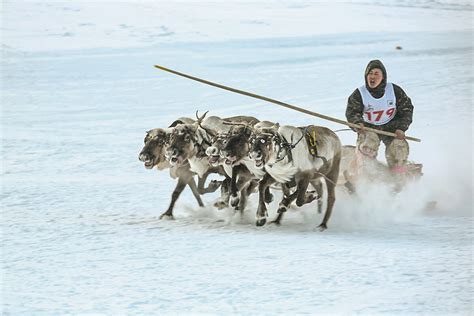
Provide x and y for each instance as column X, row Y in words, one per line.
column 234, row 201
column 269, row 198
column 167, row 216
column 220, row 205
column 322, row 227
column 214, row 185
column 310, row 198
column 261, row 222
column 275, row 222
column 281, row 210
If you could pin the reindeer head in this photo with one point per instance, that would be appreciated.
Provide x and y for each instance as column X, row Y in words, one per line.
column 263, row 146
column 153, row 153
column 182, row 144
column 218, row 143
column 237, row 145
column 188, row 140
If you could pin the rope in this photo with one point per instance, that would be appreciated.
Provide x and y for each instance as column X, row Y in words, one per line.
column 342, row 130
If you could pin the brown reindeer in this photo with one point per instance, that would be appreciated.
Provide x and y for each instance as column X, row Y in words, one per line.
column 233, row 148
column 153, row 155
column 285, row 156
column 189, row 142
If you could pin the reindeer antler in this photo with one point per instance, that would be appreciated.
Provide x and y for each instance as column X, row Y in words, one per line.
column 199, row 121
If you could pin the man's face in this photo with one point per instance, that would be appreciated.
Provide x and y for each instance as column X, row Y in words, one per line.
column 374, row 78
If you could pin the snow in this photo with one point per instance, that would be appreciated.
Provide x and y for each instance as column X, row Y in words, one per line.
column 80, row 227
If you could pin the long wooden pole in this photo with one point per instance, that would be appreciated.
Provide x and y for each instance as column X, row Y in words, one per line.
column 286, row 105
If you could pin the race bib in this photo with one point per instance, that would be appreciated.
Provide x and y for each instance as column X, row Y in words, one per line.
column 379, row 111
column 379, row 117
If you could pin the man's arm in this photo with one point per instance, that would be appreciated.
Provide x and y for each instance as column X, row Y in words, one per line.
column 355, row 108
column 404, row 116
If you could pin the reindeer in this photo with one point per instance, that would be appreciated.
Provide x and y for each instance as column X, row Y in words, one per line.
column 215, row 158
column 153, row 155
column 189, row 142
column 286, row 161
column 224, row 145
column 245, row 176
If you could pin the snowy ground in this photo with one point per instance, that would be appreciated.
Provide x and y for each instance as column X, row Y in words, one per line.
column 80, row 228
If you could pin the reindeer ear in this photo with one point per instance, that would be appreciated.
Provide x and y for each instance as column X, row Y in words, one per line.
column 276, row 126
column 177, row 122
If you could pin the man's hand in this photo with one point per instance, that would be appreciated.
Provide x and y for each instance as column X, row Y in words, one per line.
column 361, row 128
column 400, row 134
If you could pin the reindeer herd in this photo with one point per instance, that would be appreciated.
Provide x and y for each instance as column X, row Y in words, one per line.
column 253, row 155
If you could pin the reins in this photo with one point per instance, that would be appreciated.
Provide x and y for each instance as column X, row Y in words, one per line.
column 288, row 147
column 342, row 130
column 286, row 105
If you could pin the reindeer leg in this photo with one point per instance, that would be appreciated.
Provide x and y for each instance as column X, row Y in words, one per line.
column 243, row 197
column 236, row 186
column 174, row 197
column 253, row 184
column 283, row 206
column 242, row 184
column 245, row 193
column 234, row 198
column 247, row 185
column 331, row 199
column 224, row 199
column 268, row 195
column 285, row 188
column 318, row 186
column 212, row 187
column 331, row 187
column 262, row 208
column 301, row 198
column 193, row 187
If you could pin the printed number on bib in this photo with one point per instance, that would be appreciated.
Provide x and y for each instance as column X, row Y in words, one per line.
column 381, row 116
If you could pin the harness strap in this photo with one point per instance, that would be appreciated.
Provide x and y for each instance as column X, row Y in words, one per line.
column 284, row 145
column 289, row 146
column 313, row 143
column 200, row 147
column 327, row 179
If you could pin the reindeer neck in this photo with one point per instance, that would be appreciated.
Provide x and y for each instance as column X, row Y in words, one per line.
column 198, row 165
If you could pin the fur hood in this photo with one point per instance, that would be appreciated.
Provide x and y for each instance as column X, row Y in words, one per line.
column 380, row 89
